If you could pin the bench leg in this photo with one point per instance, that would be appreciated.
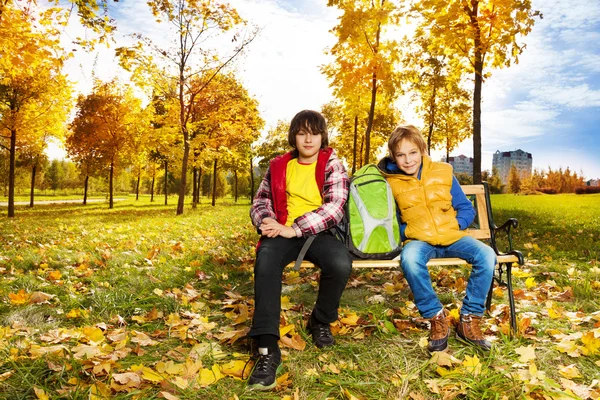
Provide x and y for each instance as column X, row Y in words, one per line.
column 511, row 298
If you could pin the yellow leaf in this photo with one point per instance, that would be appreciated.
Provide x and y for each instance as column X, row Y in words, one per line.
column 19, row 298
column 350, row 396
column 284, row 330
column 570, row 371
column 349, row 319
column 472, row 364
column 591, row 341
column 169, row 367
column 519, row 273
column 79, row 313
column 234, row 368
column 93, row 334
column 285, row 303
column 210, row 376
column 530, row 282
column 148, row 373
column 526, row 353
column 54, row 275
column 40, row 394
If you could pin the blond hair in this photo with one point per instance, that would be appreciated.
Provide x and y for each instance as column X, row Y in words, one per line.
column 406, row 132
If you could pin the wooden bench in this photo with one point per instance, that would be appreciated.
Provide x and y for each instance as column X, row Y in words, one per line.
column 482, row 228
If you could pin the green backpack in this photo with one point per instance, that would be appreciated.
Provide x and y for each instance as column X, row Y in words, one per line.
column 370, row 228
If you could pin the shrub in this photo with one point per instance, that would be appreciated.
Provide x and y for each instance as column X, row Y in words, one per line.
column 548, row 190
column 587, row 189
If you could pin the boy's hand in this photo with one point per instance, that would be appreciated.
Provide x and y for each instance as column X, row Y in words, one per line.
column 271, row 228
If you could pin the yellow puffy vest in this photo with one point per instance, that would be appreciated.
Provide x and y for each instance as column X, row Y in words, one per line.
column 426, row 204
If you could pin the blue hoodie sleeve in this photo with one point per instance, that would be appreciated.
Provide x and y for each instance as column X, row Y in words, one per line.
column 465, row 213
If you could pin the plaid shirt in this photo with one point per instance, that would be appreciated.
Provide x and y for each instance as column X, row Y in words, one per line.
column 331, row 212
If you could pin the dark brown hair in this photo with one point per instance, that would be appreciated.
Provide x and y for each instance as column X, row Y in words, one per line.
column 311, row 121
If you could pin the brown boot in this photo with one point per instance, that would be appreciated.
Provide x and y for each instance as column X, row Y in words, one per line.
column 469, row 330
column 438, row 332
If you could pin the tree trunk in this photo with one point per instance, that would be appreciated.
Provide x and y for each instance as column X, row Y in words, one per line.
column 199, row 183
column 33, row 170
column 373, row 100
column 214, row 191
column 166, row 180
column 355, row 142
column 431, row 118
column 251, row 179
column 85, row 189
column 236, row 185
column 11, row 173
column 184, row 163
column 137, row 186
column 479, row 56
column 110, row 186
column 152, row 187
column 194, row 186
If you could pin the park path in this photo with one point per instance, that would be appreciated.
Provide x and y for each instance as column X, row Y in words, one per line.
column 42, row 202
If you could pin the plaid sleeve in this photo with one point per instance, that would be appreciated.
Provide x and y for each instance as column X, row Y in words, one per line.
column 335, row 194
column 262, row 204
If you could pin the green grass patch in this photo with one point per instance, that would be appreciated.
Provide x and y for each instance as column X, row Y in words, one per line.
column 92, row 297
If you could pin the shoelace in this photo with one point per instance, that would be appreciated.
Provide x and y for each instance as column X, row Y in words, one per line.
column 322, row 331
column 437, row 326
column 261, row 362
column 473, row 328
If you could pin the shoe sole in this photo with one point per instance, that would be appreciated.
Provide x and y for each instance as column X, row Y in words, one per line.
column 260, row 387
column 472, row 344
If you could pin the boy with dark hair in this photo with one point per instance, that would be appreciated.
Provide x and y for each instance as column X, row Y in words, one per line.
column 300, row 198
column 434, row 214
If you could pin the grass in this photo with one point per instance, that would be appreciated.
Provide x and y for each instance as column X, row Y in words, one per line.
column 136, row 287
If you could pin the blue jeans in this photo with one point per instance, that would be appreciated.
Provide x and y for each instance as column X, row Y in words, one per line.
column 274, row 254
column 414, row 258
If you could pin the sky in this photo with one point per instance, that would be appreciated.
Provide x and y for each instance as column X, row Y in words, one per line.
column 548, row 104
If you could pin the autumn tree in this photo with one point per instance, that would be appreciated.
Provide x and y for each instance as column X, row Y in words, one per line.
column 514, row 180
column 351, row 146
column 434, row 81
column 494, row 181
column 34, row 95
column 364, row 61
column 192, row 24
column 225, row 121
column 106, row 121
column 484, row 34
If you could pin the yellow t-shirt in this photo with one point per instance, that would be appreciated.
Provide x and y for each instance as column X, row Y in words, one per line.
column 301, row 189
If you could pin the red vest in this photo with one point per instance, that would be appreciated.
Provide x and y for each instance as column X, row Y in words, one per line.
column 278, row 168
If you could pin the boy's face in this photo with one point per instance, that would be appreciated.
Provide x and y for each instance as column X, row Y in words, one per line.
column 408, row 157
column 308, row 145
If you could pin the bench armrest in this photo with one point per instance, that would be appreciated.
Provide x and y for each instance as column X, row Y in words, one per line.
column 505, row 229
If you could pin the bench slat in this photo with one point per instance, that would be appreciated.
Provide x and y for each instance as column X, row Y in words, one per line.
column 395, row 263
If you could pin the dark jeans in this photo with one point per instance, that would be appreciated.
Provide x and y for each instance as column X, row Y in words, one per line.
column 274, row 254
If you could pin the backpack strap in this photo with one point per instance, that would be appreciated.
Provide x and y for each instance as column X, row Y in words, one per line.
column 303, row 251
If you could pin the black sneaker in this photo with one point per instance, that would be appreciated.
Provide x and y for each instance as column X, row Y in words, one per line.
column 264, row 374
column 321, row 333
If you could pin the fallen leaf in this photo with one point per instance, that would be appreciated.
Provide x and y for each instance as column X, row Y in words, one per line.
column 40, row 393
column 570, row 371
column 19, row 298
column 526, row 353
